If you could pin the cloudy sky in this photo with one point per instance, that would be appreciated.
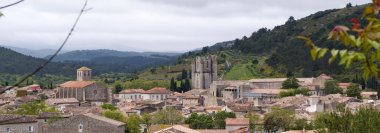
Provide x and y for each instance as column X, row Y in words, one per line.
column 148, row 25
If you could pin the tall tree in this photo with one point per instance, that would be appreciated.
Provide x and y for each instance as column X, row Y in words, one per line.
column 331, row 87
column 290, row 83
column 220, row 118
column 173, row 85
column 353, row 91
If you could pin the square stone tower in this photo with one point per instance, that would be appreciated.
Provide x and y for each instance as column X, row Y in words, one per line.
column 84, row 74
column 204, row 70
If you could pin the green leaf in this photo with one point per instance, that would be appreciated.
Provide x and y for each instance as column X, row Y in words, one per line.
column 374, row 44
column 343, row 53
column 322, row 52
column 314, row 53
column 334, row 53
column 367, row 10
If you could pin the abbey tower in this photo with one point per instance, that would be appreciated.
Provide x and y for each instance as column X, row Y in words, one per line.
column 204, row 71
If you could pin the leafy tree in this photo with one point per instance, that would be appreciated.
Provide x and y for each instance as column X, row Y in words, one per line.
column 184, row 74
column 290, row 83
column 187, row 85
column 34, row 108
column 278, row 118
column 205, row 50
column 167, row 116
column 253, row 120
column 202, row 121
column 132, row 124
column 293, row 92
column 353, row 91
column 349, row 5
column 173, row 85
column 331, row 87
column 147, row 119
column 116, row 115
column 220, row 118
column 118, row 88
column 255, row 62
column 365, row 120
column 361, row 43
column 109, row 107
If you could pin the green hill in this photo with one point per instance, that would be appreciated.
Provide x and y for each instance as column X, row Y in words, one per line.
column 277, row 51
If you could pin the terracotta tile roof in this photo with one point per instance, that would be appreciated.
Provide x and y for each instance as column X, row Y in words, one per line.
column 237, row 122
column 177, row 128
column 76, row 84
column 54, row 101
column 104, row 119
column 213, row 131
column 267, row 91
column 84, row 69
column 325, row 76
column 158, row 90
column 213, row 108
column 15, row 119
column 132, row 91
column 191, row 97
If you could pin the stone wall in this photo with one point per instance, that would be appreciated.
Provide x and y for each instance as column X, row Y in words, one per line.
column 19, row 128
column 90, row 125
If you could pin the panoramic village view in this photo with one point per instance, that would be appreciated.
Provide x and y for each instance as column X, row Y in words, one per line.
column 189, row 66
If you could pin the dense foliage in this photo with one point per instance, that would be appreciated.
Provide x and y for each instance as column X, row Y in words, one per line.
column 210, row 121
column 288, row 53
column 365, row 120
column 290, row 83
column 34, row 108
column 354, row 91
column 293, row 92
column 279, row 118
column 331, row 87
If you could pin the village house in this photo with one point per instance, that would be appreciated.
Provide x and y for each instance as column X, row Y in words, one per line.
column 157, row 93
column 236, row 123
column 62, row 103
column 131, row 94
column 84, row 89
column 11, row 123
column 177, row 129
column 86, row 123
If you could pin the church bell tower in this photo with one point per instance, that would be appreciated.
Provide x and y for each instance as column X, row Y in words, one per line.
column 84, row 74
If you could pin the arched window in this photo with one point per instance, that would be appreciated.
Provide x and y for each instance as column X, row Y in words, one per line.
column 80, row 128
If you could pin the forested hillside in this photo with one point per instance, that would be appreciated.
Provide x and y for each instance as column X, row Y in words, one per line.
column 88, row 55
column 16, row 63
column 289, row 54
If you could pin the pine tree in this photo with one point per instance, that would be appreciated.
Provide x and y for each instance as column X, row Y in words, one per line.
column 187, row 85
column 173, row 85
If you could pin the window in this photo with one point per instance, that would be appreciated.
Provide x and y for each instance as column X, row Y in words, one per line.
column 95, row 92
column 30, row 128
column 9, row 130
column 80, row 128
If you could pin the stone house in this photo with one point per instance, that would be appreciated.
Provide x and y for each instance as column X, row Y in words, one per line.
column 84, row 89
column 177, row 129
column 192, row 101
column 157, row 93
column 236, row 123
column 86, row 123
column 10, row 123
column 131, row 94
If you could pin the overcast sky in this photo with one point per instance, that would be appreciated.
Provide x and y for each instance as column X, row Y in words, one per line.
column 148, row 25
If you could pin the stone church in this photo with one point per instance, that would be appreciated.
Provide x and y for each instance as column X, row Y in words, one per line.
column 204, row 71
column 84, row 89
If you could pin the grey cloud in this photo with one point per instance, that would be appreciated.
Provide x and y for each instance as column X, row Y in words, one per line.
column 148, row 25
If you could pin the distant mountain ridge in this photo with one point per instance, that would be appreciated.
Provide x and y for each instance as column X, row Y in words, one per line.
column 88, row 55
column 40, row 53
column 13, row 62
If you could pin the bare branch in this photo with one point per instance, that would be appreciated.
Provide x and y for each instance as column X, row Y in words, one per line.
column 6, row 6
column 55, row 54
